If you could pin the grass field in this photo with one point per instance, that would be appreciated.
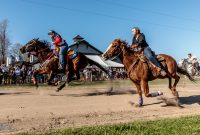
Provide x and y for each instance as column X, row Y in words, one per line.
column 176, row 126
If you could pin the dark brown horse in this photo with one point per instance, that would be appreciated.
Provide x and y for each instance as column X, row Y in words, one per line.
column 49, row 62
column 140, row 71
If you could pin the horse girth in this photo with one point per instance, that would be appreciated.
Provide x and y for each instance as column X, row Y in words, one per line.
column 132, row 66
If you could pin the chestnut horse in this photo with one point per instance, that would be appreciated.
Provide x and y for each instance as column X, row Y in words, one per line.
column 49, row 63
column 141, row 71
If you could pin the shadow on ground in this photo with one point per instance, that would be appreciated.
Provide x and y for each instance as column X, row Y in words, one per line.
column 190, row 100
column 14, row 93
column 99, row 93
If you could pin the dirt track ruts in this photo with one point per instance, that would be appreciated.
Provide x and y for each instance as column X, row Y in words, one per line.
column 28, row 109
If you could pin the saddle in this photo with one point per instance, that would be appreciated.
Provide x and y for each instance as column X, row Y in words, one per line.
column 72, row 54
column 151, row 66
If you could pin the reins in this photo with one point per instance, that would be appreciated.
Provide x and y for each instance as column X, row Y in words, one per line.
column 132, row 66
column 117, row 55
column 43, row 49
column 42, row 65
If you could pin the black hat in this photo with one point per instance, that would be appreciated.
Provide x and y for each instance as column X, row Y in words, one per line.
column 51, row 32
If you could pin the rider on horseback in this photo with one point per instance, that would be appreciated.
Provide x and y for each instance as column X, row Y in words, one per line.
column 140, row 43
column 60, row 43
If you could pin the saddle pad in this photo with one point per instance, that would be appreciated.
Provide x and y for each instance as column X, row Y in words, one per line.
column 72, row 54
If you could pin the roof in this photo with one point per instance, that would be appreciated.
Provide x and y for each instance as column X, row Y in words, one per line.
column 78, row 39
column 113, row 63
column 103, row 63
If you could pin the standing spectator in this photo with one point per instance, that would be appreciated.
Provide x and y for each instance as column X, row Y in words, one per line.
column 1, row 76
column 18, row 74
column 23, row 74
column 110, row 73
column 29, row 75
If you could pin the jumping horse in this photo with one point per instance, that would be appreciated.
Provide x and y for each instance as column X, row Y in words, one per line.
column 49, row 62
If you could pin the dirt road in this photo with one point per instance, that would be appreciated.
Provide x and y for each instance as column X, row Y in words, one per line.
column 28, row 109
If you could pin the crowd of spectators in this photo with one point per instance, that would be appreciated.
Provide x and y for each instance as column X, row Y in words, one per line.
column 22, row 74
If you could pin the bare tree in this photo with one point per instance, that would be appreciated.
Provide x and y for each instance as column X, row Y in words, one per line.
column 4, row 41
column 14, row 50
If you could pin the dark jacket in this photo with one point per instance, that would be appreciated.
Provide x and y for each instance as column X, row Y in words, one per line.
column 140, row 41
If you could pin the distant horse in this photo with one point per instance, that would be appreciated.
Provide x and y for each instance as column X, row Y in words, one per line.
column 141, row 71
column 49, row 63
column 191, row 68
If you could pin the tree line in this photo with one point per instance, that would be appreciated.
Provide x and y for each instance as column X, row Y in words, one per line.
column 6, row 47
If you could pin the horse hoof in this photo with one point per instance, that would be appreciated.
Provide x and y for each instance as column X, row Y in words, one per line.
column 49, row 83
column 138, row 105
column 58, row 90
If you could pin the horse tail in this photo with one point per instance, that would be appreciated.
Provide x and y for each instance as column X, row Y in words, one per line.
column 184, row 72
column 91, row 62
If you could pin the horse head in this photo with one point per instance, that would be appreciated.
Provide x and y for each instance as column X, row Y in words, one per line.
column 34, row 46
column 30, row 46
column 114, row 49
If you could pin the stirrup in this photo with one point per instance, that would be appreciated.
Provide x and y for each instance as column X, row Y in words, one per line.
column 162, row 72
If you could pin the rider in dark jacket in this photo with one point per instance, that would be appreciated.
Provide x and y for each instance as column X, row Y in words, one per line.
column 140, row 43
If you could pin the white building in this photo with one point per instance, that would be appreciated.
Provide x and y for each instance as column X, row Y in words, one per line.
column 92, row 53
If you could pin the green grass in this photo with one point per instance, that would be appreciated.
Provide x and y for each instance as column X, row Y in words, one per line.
column 176, row 126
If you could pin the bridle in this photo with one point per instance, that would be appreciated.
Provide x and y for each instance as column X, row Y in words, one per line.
column 117, row 54
column 37, row 50
column 29, row 45
column 35, row 46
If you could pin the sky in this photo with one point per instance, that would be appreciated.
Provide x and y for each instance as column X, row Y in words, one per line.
column 170, row 26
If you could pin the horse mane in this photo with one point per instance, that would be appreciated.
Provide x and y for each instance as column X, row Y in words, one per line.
column 44, row 43
column 125, row 44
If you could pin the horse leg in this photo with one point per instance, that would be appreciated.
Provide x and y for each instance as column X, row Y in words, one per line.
column 174, row 92
column 170, row 83
column 77, row 74
column 68, row 79
column 146, row 90
column 50, row 78
column 138, row 86
column 145, row 86
column 35, row 78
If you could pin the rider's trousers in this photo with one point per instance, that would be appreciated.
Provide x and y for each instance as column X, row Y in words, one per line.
column 150, row 56
column 62, row 53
